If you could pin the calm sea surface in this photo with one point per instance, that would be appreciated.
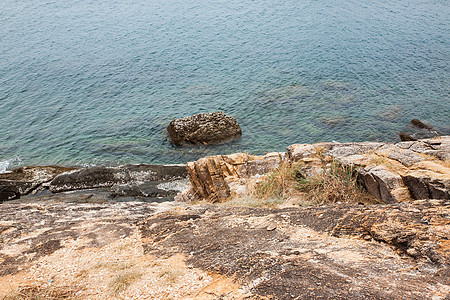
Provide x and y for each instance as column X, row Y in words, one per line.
column 86, row 82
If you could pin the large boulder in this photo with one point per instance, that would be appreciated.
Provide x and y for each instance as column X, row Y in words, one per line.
column 208, row 128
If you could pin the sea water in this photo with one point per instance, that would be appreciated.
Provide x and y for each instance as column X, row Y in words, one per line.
column 86, row 82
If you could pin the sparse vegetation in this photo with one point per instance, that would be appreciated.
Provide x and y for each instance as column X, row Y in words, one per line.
column 331, row 183
column 42, row 292
column 336, row 183
column 277, row 184
column 170, row 273
column 123, row 280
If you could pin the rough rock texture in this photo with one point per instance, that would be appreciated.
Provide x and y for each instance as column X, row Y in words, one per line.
column 105, row 177
column 390, row 172
column 214, row 177
column 327, row 252
column 209, row 128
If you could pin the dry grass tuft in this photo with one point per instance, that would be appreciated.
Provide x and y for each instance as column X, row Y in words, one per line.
column 123, row 280
column 171, row 274
column 332, row 183
column 43, row 292
column 277, row 184
column 336, row 183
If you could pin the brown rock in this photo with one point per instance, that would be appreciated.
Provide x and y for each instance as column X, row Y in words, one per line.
column 208, row 128
column 428, row 185
column 380, row 182
column 211, row 176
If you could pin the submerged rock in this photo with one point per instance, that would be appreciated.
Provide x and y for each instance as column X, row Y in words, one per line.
column 208, row 128
column 417, row 130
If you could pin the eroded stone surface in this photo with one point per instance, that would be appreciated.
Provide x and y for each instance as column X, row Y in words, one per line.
column 96, row 177
column 25, row 180
column 216, row 177
column 334, row 251
column 149, row 181
column 208, row 128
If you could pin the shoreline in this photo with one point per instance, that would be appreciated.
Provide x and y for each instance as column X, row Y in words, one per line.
column 168, row 180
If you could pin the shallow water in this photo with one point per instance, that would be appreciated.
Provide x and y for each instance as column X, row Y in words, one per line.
column 96, row 82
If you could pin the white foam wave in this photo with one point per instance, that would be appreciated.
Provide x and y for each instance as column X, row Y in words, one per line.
column 9, row 163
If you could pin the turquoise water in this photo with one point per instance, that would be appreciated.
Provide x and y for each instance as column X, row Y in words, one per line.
column 96, row 82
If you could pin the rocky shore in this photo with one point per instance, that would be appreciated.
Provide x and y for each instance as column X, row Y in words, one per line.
column 105, row 233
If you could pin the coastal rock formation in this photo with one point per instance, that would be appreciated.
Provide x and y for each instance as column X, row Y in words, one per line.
column 390, row 172
column 151, row 181
column 208, row 128
column 327, row 252
column 96, row 177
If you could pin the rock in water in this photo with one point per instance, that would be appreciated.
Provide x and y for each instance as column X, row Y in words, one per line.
column 208, row 128
column 417, row 130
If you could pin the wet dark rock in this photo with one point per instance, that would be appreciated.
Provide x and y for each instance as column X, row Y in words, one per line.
column 420, row 124
column 151, row 181
column 208, row 128
column 150, row 189
column 24, row 180
column 10, row 189
column 35, row 173
column 131, row 175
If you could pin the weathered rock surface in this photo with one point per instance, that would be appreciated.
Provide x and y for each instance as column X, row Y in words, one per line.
column 96, row 177
column 151, row 181
column 334, row 251
column 382, row 251
column 390, row 172
column 208, row 128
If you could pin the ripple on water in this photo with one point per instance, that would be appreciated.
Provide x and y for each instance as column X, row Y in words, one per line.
column 104, row 79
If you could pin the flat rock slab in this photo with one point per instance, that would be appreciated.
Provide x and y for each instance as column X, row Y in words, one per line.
column 30, row 231
column 332, row 252
column 339, row 252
